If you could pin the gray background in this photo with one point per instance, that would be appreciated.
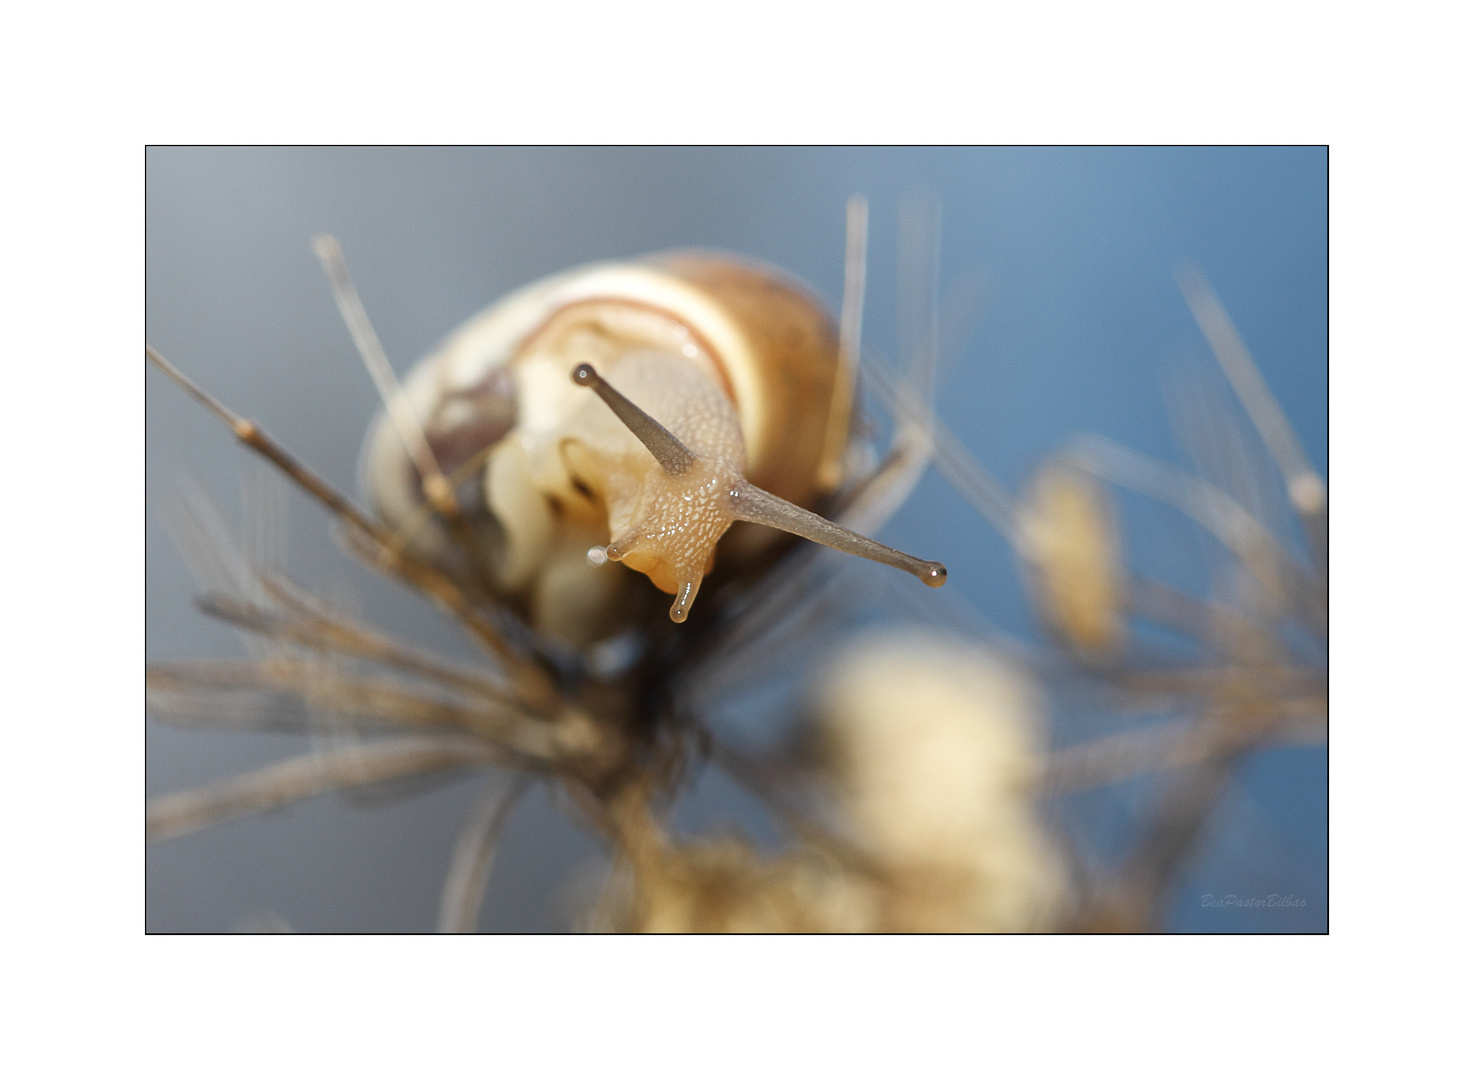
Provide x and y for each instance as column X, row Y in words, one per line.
column 1081, row 321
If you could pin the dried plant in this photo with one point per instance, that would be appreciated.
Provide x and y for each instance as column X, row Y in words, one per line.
column 916, row 783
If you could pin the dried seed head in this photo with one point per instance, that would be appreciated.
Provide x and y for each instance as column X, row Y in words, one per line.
column 1071, row 546
column 929, row 745
column 724, row 886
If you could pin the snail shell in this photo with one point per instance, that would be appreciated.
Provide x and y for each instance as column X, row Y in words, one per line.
column 735, row 358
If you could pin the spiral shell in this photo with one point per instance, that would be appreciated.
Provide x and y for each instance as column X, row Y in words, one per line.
column 688, row 335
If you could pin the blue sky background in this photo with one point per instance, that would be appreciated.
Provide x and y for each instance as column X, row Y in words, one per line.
column 1080, row 326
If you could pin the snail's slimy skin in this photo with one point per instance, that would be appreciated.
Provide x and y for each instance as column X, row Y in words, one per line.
column 665, row 526
column 701, row 493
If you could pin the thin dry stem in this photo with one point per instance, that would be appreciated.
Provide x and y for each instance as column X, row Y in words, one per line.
column 371, row 351
column 300, row 778
column 869, row 508
column 918, row 259
column 1118, row 757
column 330, row 632
column 534, row 685
column 188, row 688
column 784, row 621
column 410, row 527
column 772, row 782
column 974, row 483
column 1255, row 547
column 1307, row 490
column 438, row 490
column 475, row 848
column 209, row 548
column 1222, row 628
column 851, row 320
column 1182, row 815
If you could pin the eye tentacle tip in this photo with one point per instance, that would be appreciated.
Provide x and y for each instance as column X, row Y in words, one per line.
column 752, row 503
column 681, row 607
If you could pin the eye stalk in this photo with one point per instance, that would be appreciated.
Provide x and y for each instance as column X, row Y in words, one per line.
column 672, row 454
column 676, row 559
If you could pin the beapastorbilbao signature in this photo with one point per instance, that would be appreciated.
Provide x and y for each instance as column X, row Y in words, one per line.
column 1273, row 900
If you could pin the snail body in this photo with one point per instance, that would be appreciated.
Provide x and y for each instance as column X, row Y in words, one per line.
column 732, row 359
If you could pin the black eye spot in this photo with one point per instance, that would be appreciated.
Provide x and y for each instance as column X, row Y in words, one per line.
column 555, row 504
column 582, row 488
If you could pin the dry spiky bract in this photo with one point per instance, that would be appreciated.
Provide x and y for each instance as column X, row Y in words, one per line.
column 1073, row 553
column 931, row 746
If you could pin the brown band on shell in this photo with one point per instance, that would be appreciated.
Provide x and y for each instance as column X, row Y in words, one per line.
column 795, row 344
column 719, row 362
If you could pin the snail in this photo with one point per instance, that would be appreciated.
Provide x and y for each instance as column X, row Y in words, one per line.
column 719, row 396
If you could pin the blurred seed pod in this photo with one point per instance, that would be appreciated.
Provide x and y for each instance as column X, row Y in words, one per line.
column 1072, row 549
column 930, row 748
column 725, row 886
